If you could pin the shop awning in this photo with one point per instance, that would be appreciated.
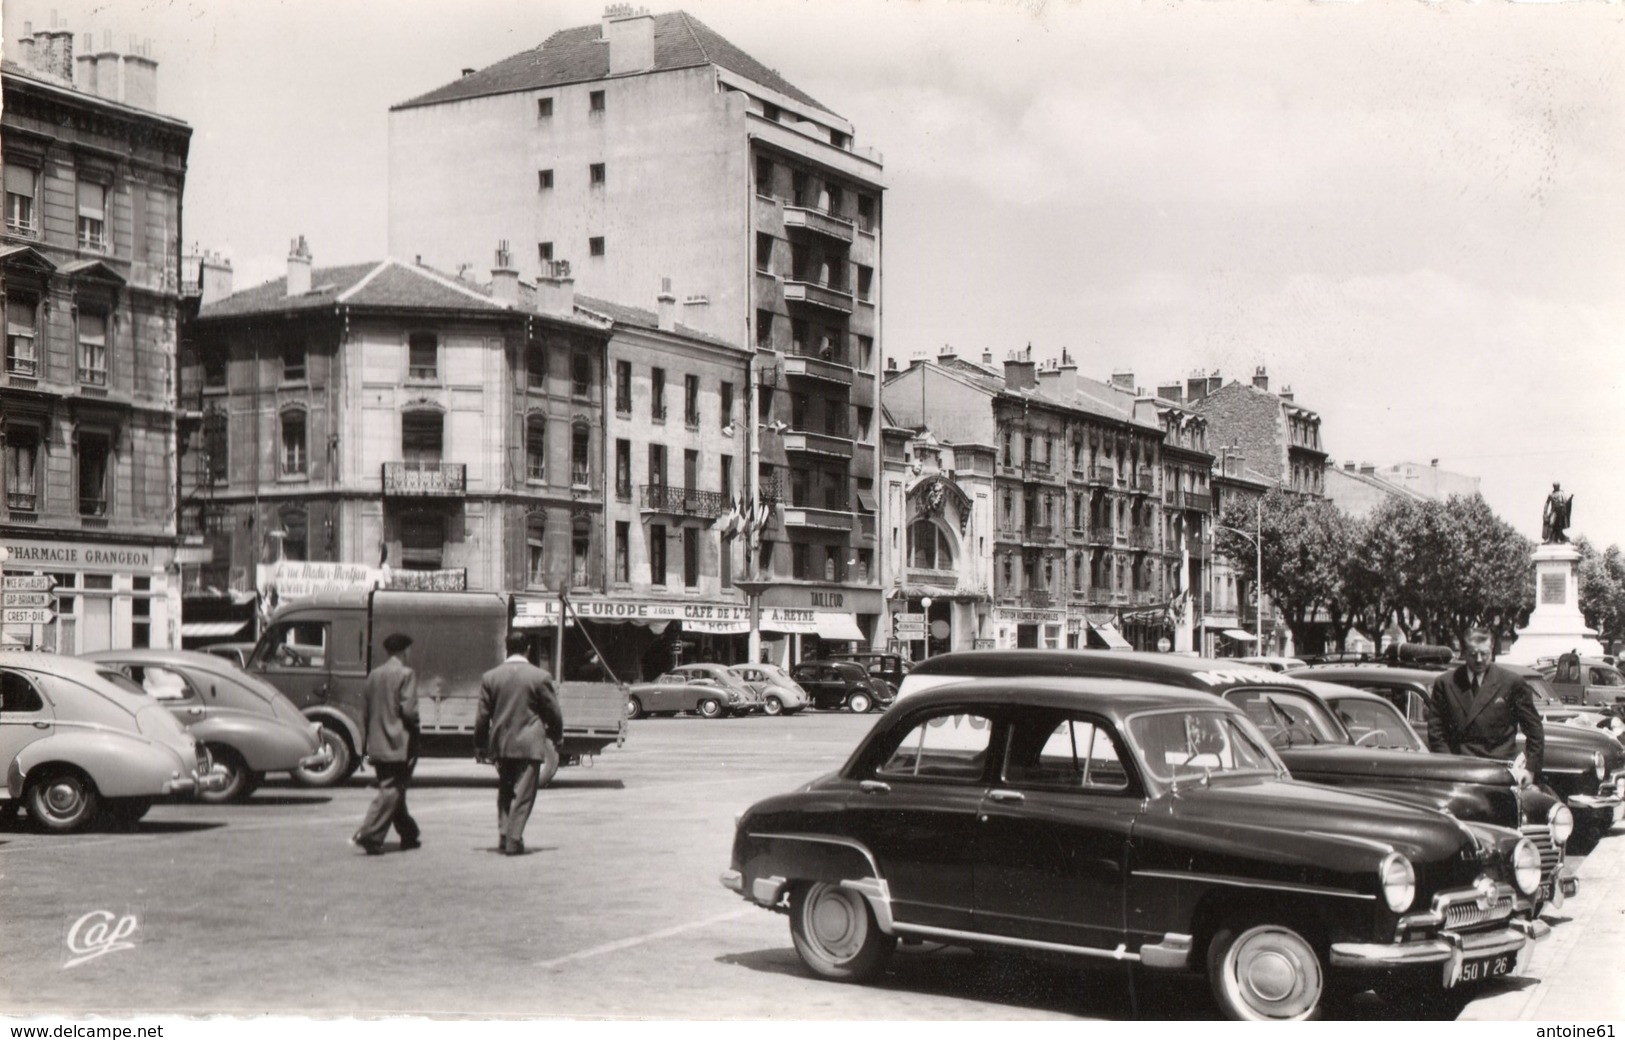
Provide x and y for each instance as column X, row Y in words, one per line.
column 212, row 629
column 838, row 626
column 1114, row 639
column 866, row 501
column 1239, row 635
column 789, row 621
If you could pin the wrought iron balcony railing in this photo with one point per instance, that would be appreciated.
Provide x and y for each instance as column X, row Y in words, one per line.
column 425, row 479
column 683, row 501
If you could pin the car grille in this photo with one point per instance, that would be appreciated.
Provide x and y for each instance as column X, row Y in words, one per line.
column 1551, row 857
column 204, row 762
column 1469, row 908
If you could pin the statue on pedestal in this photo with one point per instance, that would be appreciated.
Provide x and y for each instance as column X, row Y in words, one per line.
column 1556, row 518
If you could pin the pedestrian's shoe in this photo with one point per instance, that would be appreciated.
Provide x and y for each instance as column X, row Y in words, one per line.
column 408, row 844
column 371, row 848
column 514, row 848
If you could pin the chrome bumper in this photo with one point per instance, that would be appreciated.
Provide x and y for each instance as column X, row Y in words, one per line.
column 320, row 759
column 763, row 891
column 1449, row 948
column 185, row 785
column 1594, row 801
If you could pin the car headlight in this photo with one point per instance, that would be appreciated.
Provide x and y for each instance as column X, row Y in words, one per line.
column 1399, row 881
column 1600, row 764
column 1526, row 867
column 1560, row 821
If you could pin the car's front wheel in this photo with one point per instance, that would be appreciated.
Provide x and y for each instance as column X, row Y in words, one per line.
column 63, row 800
column 1265, row 973
column 836, row 934
column 858, row 703
column 338, row 768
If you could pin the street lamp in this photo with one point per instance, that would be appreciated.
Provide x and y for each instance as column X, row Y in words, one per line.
column 1258, row 587
column 925, row 608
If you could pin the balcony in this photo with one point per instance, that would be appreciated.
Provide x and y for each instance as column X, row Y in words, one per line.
column 1141, row 538
column 931, row 576
column 1039, row 532
column 821, row 519
column 1142, row 481
column 1173, row 498
column 1198, row 502
column 1101, row 534
column 805, row 442
column 1035, row 471
column 26, row 501
column 815, row 295
column 682, row 501
column 830, row 367
column 819, row 223
column 425, row 479
column 1103, row 475
column 1038, row 597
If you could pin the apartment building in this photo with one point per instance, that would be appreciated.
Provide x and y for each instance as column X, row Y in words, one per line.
column 1279, row 437
column 648, row 147
column 90, row 279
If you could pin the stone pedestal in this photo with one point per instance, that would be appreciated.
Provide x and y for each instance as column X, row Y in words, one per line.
column 1556, row 626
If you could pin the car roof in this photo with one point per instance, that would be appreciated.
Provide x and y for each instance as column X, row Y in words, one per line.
column 1374, row 672
column 1333, row 692
column 1199, row 673
column 1116, row 698
column 827, row 661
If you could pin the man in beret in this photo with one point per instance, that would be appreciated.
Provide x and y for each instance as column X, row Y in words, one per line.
column 518, row 724
column 390, row 728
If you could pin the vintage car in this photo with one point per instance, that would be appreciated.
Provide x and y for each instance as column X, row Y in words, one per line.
column 880, row 665
column 1583, row 766
column 1274, row 664
column 248, row 727
column 1127, row 821
column 707, row 689
column 1305, row 733
column 1586, row 680
column 77, row 748
column 834, row 685
column 781, row 695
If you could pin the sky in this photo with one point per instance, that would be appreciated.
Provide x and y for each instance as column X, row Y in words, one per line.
column 1407, row 211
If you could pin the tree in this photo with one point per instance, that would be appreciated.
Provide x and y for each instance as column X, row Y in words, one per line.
column 1305, row 542
column 1602, row 590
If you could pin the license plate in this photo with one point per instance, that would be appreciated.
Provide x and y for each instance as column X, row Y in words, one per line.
column 1481, row 968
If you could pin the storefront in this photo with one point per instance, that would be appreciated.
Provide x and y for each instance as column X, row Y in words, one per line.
column 89, row 596
column 803, row 622
column 1015, row 627
column 638, row 639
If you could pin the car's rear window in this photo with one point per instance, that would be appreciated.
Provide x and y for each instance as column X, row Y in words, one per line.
column 949, row 746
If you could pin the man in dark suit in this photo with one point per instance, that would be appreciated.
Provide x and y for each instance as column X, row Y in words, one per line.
column 518, row 718
column 1478, row 708
column 390, row 728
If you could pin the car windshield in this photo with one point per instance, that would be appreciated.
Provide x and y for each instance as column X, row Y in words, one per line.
column 1180, row 745
column 1376, row 723
column 1287, row 717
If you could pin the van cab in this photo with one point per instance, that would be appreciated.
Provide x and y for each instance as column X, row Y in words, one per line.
column 1587, row 680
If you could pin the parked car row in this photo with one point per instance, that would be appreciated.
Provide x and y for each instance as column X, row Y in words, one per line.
column 1289, row 838
column 715, row 691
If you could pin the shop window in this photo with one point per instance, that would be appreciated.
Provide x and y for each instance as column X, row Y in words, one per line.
column 21, row 186
column 92, row 216
column 657, row 554
column 423, row 541
column 295, row 457
column 22, row 467
column 22, row 350
column 92, row 347
column 536, row 447
column 94, row 456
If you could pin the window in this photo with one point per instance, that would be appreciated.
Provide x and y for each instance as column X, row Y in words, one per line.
column 1046, row 751
column 580, row 455
column 295, row 644
column 295, row 460
column 295, row 543
column 92, row 216
column 94, row 453
column 536, row 365
column 798, row 188
column 865, row 419
column 691, row 557
column 595, row 174
column 581, row 374
column 657, row 394
column 544, row 182
column 657, row 554
column 798, row 561
column 764, row 252
column 580, row 556
column 764, row 558
column 770, row 112
column 657, row 465
column 536, row 549
column 623, row 553
column 623, row 387
column 595, row 246
column 544, row 252
column 834, row 563
column 293, row 362
column 423, row 537
column 544, row 108
column 798, row 411
column 595, row 101
column 623, row 469
column 865, row 562
column 866, row 280
column 214, row 367
column 422, row 437
column 727, row 479
column 866, row 213
column 943, row 747
column 764, row 330
column 216, row 450
column 691, row 400
column 928, row 547
column 725, row 404
column 22, row 350
column 422, row 355
column 20, row 181
column 764, row 176
column 536, row 447
column 93, row 348
column 835, row 202
column 22, row 468
column 866, row 353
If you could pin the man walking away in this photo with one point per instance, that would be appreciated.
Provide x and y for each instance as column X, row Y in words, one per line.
column 390, row 728
column 518, row 715
column 1478, row 708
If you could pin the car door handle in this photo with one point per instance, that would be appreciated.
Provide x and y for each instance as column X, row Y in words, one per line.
column 42, row 725
column 1002, row 795
column 874, row 787
column 194, row 711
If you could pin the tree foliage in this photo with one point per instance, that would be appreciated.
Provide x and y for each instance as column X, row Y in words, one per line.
column 1602, row 590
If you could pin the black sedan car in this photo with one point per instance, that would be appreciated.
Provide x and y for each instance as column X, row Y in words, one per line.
column 834, row 685
column 1584, row 766
column 1304, row 731
column 1130, row 822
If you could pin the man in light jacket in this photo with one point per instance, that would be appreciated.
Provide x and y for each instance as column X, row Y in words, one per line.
column 390, row 727
column 518, row 716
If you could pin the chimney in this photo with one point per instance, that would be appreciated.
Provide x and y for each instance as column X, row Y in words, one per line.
column 298, row 267
column 1261, row 379
column 630, row 35
column 141, row 77
column 504, row 278
column 53, row 53
column 214, row 278
column 946, row 353
column 987, row 358
column 1171, row 392
column 891, row 364
column 1123, row 381
column 1434, row 463
column 26, row 45
column 1214, row 382
column 555, row 288
column 1196, row 386
column 108, row 80
column 1349, row 465
column 666, row 306
column 1286, row 394
column 1018, row 372
column 468, row 72
column 1368, row 469
column 84, row 76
